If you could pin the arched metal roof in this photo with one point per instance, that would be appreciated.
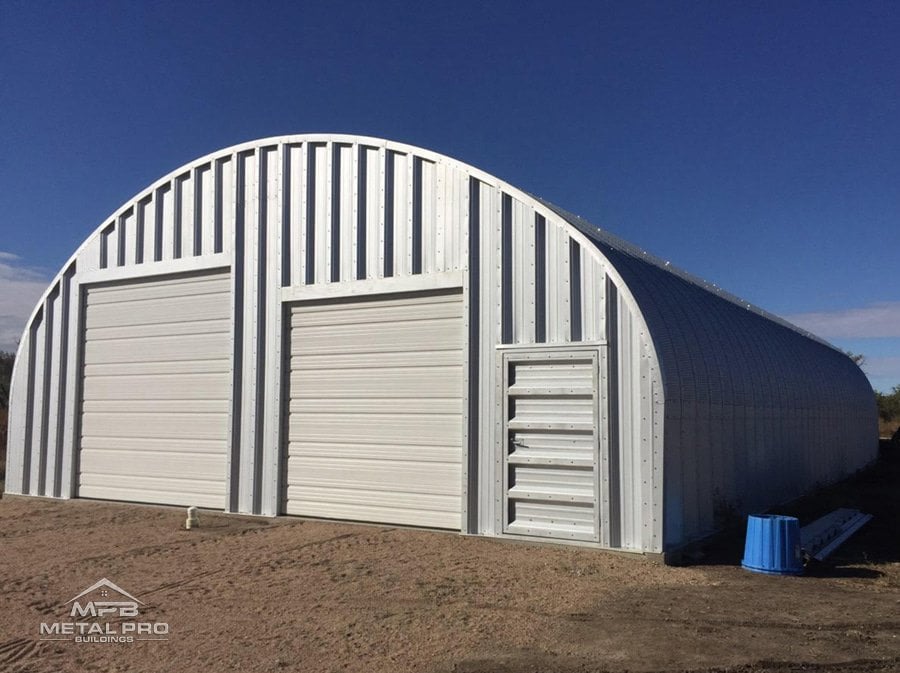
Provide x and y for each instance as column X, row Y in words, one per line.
column 712, row 343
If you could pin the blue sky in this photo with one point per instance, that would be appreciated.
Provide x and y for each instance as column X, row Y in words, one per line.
column 756, row 145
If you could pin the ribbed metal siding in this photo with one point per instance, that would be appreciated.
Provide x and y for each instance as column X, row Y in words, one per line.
column 354, row 211
column 322, row 212
column 536, row 286
column 551, row 445
column 640, row 433
column 179, row 218
column 289, row 213
column 756, row 412
column 41, row 421
column 376, row 409
column 155, row 391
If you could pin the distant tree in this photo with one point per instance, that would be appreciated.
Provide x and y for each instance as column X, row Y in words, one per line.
column 889, row 404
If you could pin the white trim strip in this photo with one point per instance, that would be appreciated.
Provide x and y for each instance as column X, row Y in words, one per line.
column 183, row 265
column 418, row 283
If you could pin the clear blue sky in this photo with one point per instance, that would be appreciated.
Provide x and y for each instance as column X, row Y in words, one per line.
column 756, row 145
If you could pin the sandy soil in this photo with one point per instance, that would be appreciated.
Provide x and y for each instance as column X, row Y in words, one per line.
column 255, row 594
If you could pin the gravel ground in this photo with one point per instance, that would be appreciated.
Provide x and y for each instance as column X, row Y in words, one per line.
column 253, row 594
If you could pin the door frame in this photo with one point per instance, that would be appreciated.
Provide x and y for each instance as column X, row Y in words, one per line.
column 507, row 355
column 292, row 297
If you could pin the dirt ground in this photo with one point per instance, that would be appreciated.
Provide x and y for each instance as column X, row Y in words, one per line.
column 254, row 594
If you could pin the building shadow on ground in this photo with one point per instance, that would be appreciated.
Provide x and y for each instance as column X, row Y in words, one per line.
column 874, row 490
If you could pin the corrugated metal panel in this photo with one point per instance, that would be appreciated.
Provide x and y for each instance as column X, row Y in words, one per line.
column 39, row 385
column 551, row 444
column 271, row 274
column 558, row 290
column 17, row 452
column 523, row 276
column 485, row 289
column 371, row 185
column 155, row 392
column 52, row 410
column 731, row 376
column 639, row 460
column 593, row 299
column 525, row 286
column 375, row 414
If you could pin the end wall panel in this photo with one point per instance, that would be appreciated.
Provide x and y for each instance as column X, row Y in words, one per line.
column 342, row 214
column 145, row 231
column 128, row 239
column 373, row 207
column 523, row 276
column 488, row 337
column 319, row 211
column 271, row 360
column 17, row 453
column 558, row 292
column 593, row 301
column 165, row 223
column 225, row 204
column 402, row 214
column 295, row 191
column 52, row 420
column 35, row 416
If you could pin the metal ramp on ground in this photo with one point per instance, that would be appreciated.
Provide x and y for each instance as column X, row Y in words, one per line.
column 823, row 536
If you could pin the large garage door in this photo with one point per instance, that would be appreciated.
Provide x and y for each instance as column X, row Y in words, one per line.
column 156, row 390
column 375, row 430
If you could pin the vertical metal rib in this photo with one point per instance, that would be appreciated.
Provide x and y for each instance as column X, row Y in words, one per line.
column 158, row 224
column 217, row 216
column 29, row 405
column 176, row 222
column 260, row 319
column 389, row 214
column 104, row 245
column 540, row 279
column 361, row 223
column 575, row 289
column 198, row 214
column 286, row 215
column 139, row 231
column 474, row 345
column 506, row 270
column 612, row 414
column 120, row 239
column 310, row 215
column 49, row 317
column 237, row 367
column 64, row 308
column 335, row 213
column 417, row 216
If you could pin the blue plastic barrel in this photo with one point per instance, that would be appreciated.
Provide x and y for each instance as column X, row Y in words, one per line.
column 773, row 545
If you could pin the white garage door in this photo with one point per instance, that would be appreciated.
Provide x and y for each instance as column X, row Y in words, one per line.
column 375, row 430
column 156, row 390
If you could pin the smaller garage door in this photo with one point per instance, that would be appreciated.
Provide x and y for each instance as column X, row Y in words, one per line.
column 156, row 390
column 375, row 428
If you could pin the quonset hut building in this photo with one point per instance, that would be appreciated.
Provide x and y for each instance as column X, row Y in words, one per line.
column 347, row 327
